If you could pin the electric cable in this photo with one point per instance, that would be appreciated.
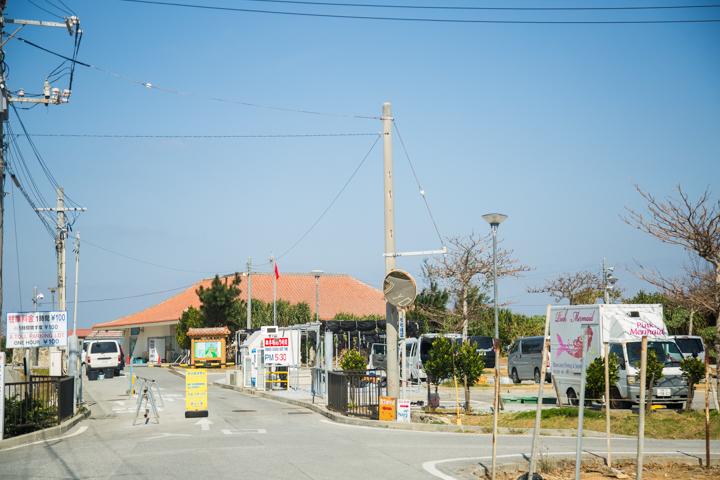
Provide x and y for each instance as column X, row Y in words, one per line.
column 230, row 136
column 332, row 202
column 45, row 10
column 418, row 19
column 417, row 182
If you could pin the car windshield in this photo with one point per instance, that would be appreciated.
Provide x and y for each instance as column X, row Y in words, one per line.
column 689, row 345
column 378, row 349
column 482, row 342
column 666, row 352
column 103, row 347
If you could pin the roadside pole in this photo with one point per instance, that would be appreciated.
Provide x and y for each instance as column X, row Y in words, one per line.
column 707, row 411
column 607, row 403
column 73, row 348
column 538, row 411
column 581, row 404
column 248, row 323
column 2, row 394
column 641, row 412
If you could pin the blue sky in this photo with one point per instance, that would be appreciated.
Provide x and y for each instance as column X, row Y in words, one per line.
column 550, row 124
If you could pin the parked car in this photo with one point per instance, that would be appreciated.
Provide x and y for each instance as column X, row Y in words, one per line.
column 103, row 355
column 690, row 346
column 484, row 346
column 525, row 359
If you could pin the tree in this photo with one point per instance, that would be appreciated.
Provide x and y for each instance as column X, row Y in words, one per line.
column 691, row 224
column 693, row 369
column 190, row 318
column 220, row 304
column 577, row 288
column 469, row 365
column 468, row 265
column 653, row 373
column 595, row 378
column 430, row 308
column 439, row 365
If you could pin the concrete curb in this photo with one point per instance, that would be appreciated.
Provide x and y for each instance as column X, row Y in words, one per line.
column 47, row 434
column 415, row 427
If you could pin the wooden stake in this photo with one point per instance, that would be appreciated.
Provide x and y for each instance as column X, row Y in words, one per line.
column 607, row 403
column 538, row 411
column 707, row 411
column 641, row 411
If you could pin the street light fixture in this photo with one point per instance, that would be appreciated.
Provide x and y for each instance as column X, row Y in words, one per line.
column 495, row 219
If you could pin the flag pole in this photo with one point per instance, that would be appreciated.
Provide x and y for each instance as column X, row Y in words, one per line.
column 275, row 275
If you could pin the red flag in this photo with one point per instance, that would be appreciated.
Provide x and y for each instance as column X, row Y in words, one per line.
column 277, row 272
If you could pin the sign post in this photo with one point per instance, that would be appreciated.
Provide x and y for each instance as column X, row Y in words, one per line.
column 2, row 394
column 196, row 404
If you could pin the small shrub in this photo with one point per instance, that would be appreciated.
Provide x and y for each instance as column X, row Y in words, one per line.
column 352, row 360
column 693, row 370
column 595, row 379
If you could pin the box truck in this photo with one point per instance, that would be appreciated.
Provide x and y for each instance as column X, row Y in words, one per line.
column 622, row 326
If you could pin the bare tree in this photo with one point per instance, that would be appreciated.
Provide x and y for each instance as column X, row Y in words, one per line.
column 469, row 264
column 693, row 225
column 577, row 288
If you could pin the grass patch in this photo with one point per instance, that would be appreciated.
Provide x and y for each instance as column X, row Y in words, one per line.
column 664, row 424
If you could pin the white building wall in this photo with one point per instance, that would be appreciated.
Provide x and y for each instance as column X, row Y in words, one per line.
column 141, row 344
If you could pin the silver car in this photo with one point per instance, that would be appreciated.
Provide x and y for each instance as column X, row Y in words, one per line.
column 525, row 359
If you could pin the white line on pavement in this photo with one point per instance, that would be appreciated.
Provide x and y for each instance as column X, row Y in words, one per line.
column 227, row 431
column 204, row 424
column 76, row 432
column 431, row 466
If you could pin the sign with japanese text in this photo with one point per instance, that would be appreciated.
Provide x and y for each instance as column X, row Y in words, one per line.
column 196, row 390
column 403, row 411
column 36, row 329
column 387, row 409
column 276, row 351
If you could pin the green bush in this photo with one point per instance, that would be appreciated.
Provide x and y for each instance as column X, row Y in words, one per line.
column 595, row 379
column 353, row 360
column 22, row 416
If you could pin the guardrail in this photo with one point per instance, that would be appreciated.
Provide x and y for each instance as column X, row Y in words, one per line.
column 356, row 392
column 39, row 403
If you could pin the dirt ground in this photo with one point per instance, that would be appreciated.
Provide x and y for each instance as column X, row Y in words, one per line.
column 565, row 470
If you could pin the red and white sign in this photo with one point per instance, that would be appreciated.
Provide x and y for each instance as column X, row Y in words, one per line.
column 277, row 351
column 36, row 329
column 276, row 342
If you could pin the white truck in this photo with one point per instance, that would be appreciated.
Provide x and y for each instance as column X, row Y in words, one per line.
column 622, row 326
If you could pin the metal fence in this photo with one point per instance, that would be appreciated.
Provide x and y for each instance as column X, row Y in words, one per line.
column 356, row 393
column 39, row 403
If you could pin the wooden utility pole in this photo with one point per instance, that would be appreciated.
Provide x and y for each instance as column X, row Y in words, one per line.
column 641, row 412
column 607, row 403
column 391, row 313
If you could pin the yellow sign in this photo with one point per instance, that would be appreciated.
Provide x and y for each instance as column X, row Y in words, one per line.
column 387, row 409
column 195, row 390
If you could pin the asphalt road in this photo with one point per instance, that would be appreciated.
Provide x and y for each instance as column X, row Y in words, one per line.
column 249, row 437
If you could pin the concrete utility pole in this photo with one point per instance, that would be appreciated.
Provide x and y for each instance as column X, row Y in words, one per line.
column 274, row 274
column 248, row 324
column 3, row 119
column 391, row 313
column 73, row 360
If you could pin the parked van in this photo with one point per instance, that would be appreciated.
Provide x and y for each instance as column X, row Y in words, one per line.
column 690, row 346
column 484, row 346
column 105, row 356
column 622, row 327
column 525, row 359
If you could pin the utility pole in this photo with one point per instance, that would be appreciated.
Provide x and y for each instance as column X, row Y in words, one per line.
column 248, row 323
column 391, row 312
column 73, row 360
column 50, row 96
column 274, row 276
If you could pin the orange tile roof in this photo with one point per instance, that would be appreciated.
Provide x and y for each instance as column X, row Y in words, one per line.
column 81, row 332
column 338, row 293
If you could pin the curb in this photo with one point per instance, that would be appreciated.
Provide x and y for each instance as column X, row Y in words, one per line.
column 415, row 427
column 45, row 434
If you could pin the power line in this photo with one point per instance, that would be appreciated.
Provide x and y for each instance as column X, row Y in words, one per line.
column 417, row 182
column 332, row 202
column 44, row 9
column 231, row 136
column 418, row 19
column 153, row 86
column 112, row 299
column 459, row 7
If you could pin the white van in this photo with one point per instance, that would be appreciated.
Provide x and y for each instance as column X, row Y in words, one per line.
column 690, row 346
column 622, row 327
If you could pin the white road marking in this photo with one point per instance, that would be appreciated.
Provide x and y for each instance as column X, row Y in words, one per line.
column 204, row 424
column 79, row 431
column 165, row 435
column 227, row 431
column 431, row 466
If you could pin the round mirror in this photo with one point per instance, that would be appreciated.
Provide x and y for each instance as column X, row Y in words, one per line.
column 399, row 289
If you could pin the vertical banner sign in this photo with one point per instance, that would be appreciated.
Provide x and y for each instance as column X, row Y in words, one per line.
column 2, row 394
column 403, row 411
column 196, row 393
column 36, row 329
column 387, row 409
column 402, row 324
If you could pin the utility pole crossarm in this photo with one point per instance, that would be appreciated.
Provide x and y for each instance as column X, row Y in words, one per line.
column 72, row 23
column 441, row 251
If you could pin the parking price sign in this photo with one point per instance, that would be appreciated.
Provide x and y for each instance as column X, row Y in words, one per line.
column 196, row 404
column 277, row 351
column 36, row 329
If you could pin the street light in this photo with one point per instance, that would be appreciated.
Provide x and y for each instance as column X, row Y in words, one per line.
column 495, row 219
column 37, row 298
column 317, row 274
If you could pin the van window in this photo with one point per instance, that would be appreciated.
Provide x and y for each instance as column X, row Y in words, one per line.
column 616, row 348
column 689, row 345
column 482, row 342
column 533, row 345
column 425, row 347
column 104, row 347
column 514, row 347
column 667, row 352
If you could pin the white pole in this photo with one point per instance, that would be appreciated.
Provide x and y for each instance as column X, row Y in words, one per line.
column 581, row 403
column 248, row 323
column 538, row 411
column 73, row 349
column 496, row 343
column 607, row 403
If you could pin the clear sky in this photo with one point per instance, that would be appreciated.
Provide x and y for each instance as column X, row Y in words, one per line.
column 550, row 124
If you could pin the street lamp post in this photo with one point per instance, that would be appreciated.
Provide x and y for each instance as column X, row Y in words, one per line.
column 495, row 219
